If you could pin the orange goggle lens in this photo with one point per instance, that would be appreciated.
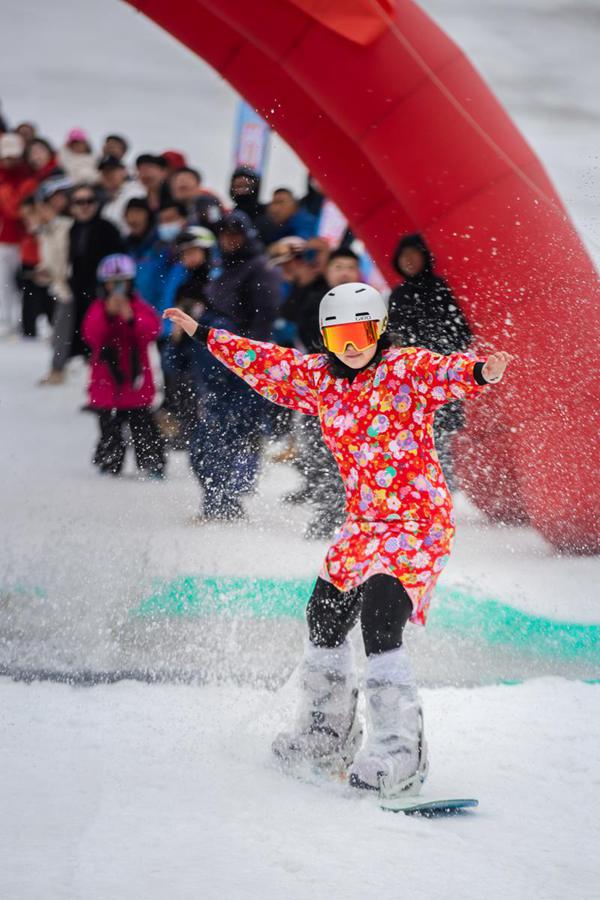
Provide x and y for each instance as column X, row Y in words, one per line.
column 360, row 334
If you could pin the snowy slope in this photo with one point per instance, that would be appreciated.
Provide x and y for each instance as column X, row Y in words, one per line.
column 79, row 553
column 148, row 793
column 155, row 791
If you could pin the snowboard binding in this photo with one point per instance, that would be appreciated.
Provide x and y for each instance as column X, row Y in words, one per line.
column 388, row 786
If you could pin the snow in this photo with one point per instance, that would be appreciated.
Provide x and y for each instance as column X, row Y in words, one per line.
column 149, row 792
column 167, row 790
column 79, row 553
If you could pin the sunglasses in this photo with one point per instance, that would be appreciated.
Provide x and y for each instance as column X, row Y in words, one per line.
column 360, row 335
column 84, row 201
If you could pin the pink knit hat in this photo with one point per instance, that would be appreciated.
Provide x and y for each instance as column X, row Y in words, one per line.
column 77, row 134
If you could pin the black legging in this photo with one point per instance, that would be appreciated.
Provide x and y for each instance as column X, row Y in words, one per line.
column 381, row 602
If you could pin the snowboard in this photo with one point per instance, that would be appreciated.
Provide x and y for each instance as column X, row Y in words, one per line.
column 429, row 808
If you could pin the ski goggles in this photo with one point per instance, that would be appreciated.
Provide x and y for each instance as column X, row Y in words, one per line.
column 361, row 335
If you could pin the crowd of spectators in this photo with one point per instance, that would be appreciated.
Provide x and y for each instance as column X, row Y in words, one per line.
column 98, row 245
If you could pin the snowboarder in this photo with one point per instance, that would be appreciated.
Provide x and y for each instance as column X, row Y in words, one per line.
column 376, row 404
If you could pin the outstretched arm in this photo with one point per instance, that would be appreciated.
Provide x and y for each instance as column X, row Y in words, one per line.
column 441, row 379
column 279, row 374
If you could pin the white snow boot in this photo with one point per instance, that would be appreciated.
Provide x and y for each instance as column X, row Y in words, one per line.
column 393, row 760
column 328, row 730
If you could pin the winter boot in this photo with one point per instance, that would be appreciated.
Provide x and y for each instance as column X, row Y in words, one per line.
column 328, row 730
column 394, row 758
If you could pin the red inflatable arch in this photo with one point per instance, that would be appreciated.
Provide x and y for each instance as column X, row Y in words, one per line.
column 405, row 136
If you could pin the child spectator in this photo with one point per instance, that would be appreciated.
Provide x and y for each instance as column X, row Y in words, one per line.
column 119, row 327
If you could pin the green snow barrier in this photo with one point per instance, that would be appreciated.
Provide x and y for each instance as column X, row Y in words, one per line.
column 454, row 610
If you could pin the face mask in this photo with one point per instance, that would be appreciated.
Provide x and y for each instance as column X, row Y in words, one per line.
column 119, row 289
column 168, row 231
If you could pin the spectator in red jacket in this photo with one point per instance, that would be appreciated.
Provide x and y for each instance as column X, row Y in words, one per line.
column 35, row 299
column 15, row 176
column 119, row 327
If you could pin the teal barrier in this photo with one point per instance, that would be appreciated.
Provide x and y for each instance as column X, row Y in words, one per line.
column 454, row 610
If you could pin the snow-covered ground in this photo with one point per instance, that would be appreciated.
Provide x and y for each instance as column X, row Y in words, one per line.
column 153, row 791
column 79, row 553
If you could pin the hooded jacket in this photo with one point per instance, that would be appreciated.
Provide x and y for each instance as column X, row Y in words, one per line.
column 422, row 310
column 247, row 203
column 245, row 291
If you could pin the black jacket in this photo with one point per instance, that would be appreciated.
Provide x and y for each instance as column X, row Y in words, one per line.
column 246, row 291
column 249, row 203
column 423, row 311
column 89, row 242
column 206, row 210
column 302, row 308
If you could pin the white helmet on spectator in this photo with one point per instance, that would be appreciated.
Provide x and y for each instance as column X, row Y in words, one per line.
column 352, row 313
column 117, row 267
column 195, row 236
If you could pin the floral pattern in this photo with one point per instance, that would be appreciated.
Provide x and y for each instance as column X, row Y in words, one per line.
column 380, row 430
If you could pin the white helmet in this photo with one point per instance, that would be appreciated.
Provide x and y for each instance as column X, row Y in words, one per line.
column 195, row 236
column 353, row 302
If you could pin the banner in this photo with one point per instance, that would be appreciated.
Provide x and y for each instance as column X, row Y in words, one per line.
column 332, row 224
column 332, row 228
column 251, row 141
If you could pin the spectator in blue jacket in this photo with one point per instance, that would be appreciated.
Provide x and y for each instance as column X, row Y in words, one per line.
column 286, row 218
column 143, row 245
column 243, row 296
column 187, row 277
